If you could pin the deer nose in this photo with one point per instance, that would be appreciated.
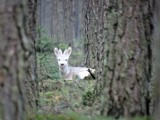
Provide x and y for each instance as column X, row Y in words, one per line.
column 62, row 64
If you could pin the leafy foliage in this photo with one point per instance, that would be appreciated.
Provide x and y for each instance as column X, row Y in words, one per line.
column 88, row 98
column 44, row 42
column 47, row 66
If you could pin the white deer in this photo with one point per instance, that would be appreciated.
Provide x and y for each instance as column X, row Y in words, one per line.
column 70, row 73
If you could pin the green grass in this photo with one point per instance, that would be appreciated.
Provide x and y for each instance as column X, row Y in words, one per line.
column 64, row 96
column 64, row 100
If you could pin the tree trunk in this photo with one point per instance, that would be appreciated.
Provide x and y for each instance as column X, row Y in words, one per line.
column 13, row 49
column 95, row 35
column 118, row 45
column 128, row 69
column 32, row 78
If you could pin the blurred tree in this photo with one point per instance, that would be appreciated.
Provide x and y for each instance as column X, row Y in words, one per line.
column 62, row 20
column 32, row 78
column 156, row 60
column 118, row 45
column 15, row 50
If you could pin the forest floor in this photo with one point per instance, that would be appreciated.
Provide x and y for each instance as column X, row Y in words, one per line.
column 59, row 97
column 69, row 100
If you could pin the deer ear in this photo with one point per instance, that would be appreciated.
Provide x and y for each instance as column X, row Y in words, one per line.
column 68, row 51
column 60, row 51
column 56, row 51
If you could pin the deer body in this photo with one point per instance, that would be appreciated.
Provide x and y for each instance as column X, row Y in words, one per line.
column 70, row 73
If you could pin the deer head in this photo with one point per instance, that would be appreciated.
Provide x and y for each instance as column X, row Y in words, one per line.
column 62, row 58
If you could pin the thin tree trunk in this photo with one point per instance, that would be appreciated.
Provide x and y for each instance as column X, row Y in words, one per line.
column 95, row 35
column 32, row 78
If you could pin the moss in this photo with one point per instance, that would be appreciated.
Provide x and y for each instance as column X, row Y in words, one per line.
column 49, row 94
column 88, row 98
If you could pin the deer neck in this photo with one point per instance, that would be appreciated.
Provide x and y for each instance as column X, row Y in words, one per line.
column 65, row 71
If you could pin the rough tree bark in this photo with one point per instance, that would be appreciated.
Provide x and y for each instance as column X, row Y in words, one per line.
column 128, row 64
column 118, row 45
column 95, row 38
column 32, row 78
column 13, row 49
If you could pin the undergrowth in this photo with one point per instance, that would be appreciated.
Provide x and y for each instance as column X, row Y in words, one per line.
column 69, row 100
